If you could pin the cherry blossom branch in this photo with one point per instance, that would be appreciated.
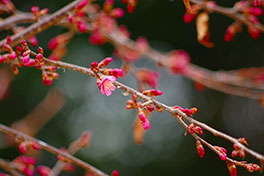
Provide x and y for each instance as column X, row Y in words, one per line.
column 229, row 12
column 174, row 112
column 41, row 25
column 21, row 136
column 210, row 146
column 177, row 113
column 16, row 18
column 81, row 142
column 222, row 81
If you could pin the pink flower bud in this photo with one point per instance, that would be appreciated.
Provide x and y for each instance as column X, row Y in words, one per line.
column 200, row 149
column 146, row 125
column 198, row 130
column 22, row 147
column 12, row 56
column 115, row 72
column 141, row 115
column 256, row 11
column 25, row 59
column 26, row 53
column 70, row 18
column 53, row 43
column 39, row 57
column 191, row 128
column 81, row 5
column 30, row 63
column 105, row 62
column 28, row 171
column 25, row 160
column 43, row 170
column 222, row 156
column 35, row 10
column 82, row 26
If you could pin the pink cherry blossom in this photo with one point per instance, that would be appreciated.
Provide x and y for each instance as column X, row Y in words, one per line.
column 105, row 84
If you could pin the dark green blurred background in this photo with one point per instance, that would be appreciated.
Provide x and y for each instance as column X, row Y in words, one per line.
column 165, row 150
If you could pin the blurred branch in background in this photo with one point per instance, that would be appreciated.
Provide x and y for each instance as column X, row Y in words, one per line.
column 6, row 77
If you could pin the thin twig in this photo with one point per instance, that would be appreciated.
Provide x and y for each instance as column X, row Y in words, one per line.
column 41, row 25
column 21, row 136
column 8, row 166
column 167, row 108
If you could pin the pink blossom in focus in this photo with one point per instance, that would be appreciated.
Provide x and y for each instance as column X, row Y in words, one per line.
column 106, row 85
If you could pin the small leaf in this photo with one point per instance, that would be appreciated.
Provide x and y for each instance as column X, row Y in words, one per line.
column 202, row 27
column 138, row 130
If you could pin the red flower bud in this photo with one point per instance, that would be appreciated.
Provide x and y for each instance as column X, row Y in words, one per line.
column 19, row 50
column 232, row 168
column 188, row 18
column 115, row 173
column 94, row 67
column 200, row 149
